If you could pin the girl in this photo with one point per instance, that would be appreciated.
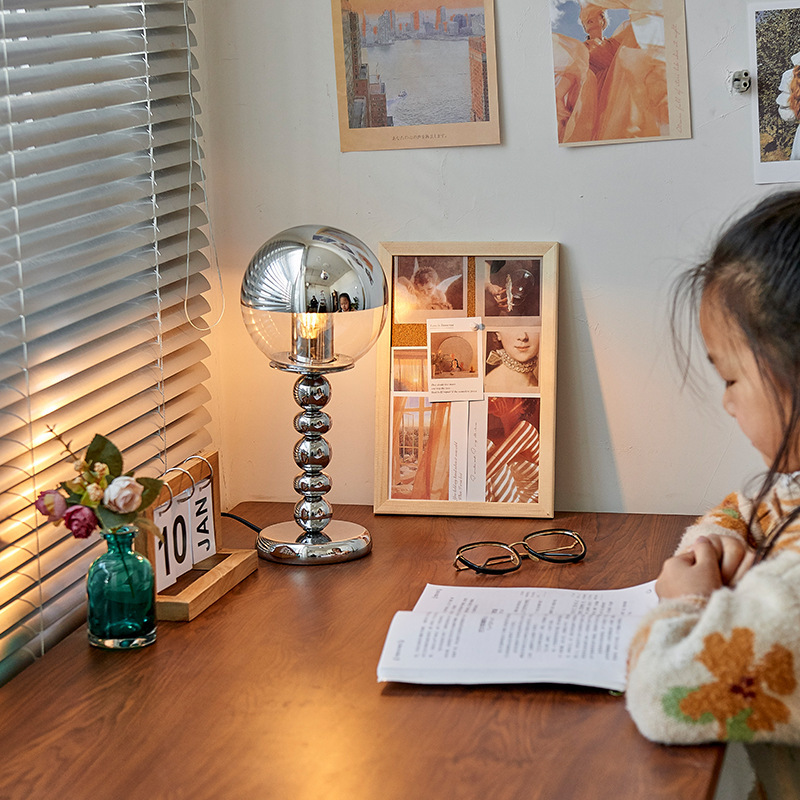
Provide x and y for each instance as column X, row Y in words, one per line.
column 719, row 658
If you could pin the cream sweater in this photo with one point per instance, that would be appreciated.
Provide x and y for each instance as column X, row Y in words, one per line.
column 725, row 668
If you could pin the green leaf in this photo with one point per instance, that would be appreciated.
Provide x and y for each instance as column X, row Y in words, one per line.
column 72, row 498
column 87, row 501
column 110, row 519
column 148, row 526
column 738, row 729
column 152, row 489
column 106, row 452
column 671, row 703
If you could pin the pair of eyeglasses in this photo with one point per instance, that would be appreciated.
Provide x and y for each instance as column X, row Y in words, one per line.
column 554, row 545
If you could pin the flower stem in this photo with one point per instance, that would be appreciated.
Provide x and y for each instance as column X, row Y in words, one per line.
column 66, row 446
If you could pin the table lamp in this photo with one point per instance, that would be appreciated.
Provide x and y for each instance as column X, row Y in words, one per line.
column 314, row 300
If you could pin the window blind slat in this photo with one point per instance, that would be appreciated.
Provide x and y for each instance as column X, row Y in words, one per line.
column 14, row 456
column 69, row 131
column 71, row 153
column 33, row 5
column 120, row 359
column 77, row 213
column 56, row 183
column 131, row 247
column 40, row 78
column 50, row 563
column 53, row 24
column 83, row 304
column 79, row 216
column 19, row 356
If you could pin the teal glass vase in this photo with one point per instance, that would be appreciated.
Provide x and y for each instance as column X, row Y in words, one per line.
column 122, row 596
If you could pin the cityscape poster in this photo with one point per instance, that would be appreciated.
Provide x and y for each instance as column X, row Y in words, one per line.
column 411, row 74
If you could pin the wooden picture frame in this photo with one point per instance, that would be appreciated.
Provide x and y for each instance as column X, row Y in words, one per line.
column 416, row 76
column 465, row 421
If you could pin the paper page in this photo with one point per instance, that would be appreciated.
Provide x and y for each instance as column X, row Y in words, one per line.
column 468, row 635
column 476, row 451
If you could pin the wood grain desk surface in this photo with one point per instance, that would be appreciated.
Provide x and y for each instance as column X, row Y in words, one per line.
column 271, row 692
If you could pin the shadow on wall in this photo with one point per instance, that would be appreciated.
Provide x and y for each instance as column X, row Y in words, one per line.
column 586, row 465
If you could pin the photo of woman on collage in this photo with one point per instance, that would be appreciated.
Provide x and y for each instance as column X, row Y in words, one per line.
column 512, row 360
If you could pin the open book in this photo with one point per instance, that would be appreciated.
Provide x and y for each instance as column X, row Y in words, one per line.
column 472, row 635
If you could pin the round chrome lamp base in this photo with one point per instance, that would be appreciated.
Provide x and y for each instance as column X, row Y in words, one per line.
column 341, row 541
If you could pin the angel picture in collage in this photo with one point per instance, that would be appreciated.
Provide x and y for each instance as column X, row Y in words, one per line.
column 428, row 287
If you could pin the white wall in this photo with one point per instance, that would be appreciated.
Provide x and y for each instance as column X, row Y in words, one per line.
column 629, row 216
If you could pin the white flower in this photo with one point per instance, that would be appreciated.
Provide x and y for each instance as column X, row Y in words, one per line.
column 95, row 492
column 123, row 495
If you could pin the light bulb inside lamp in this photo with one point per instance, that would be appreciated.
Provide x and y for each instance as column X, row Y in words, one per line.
column 312, row 338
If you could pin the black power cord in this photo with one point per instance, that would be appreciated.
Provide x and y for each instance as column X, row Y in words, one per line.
column 256, row 528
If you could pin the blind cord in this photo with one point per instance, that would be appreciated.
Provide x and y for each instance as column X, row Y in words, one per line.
column 194, row 142
column 162, row 409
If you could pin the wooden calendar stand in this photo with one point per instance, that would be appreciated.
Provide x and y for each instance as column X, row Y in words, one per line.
column 211, row 578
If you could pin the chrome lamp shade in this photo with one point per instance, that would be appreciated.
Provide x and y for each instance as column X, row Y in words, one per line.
column 314, row 299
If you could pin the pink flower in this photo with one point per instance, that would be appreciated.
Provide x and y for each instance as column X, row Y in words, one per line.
column 123, row 495
column 81, row 520
column 51, row 503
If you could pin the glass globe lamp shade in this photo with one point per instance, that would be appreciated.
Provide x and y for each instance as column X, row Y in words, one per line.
column 314, row 299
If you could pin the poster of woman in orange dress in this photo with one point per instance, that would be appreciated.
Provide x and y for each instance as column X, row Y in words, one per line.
column 620, row 70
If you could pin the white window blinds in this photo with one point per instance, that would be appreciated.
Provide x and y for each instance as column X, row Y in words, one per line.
column 100, row 271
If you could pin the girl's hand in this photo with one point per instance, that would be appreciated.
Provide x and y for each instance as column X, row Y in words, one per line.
column 696, row 572
column 733, row 555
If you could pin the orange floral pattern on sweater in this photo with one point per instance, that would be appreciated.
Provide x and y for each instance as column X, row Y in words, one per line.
column 727, row 515
column 738, row 695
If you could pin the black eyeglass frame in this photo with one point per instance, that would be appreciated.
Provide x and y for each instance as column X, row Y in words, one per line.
column 551, row 556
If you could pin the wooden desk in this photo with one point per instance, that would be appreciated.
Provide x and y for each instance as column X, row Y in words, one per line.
column 271, row 692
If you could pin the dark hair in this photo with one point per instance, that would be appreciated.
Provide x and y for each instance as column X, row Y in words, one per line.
column 753, row 279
